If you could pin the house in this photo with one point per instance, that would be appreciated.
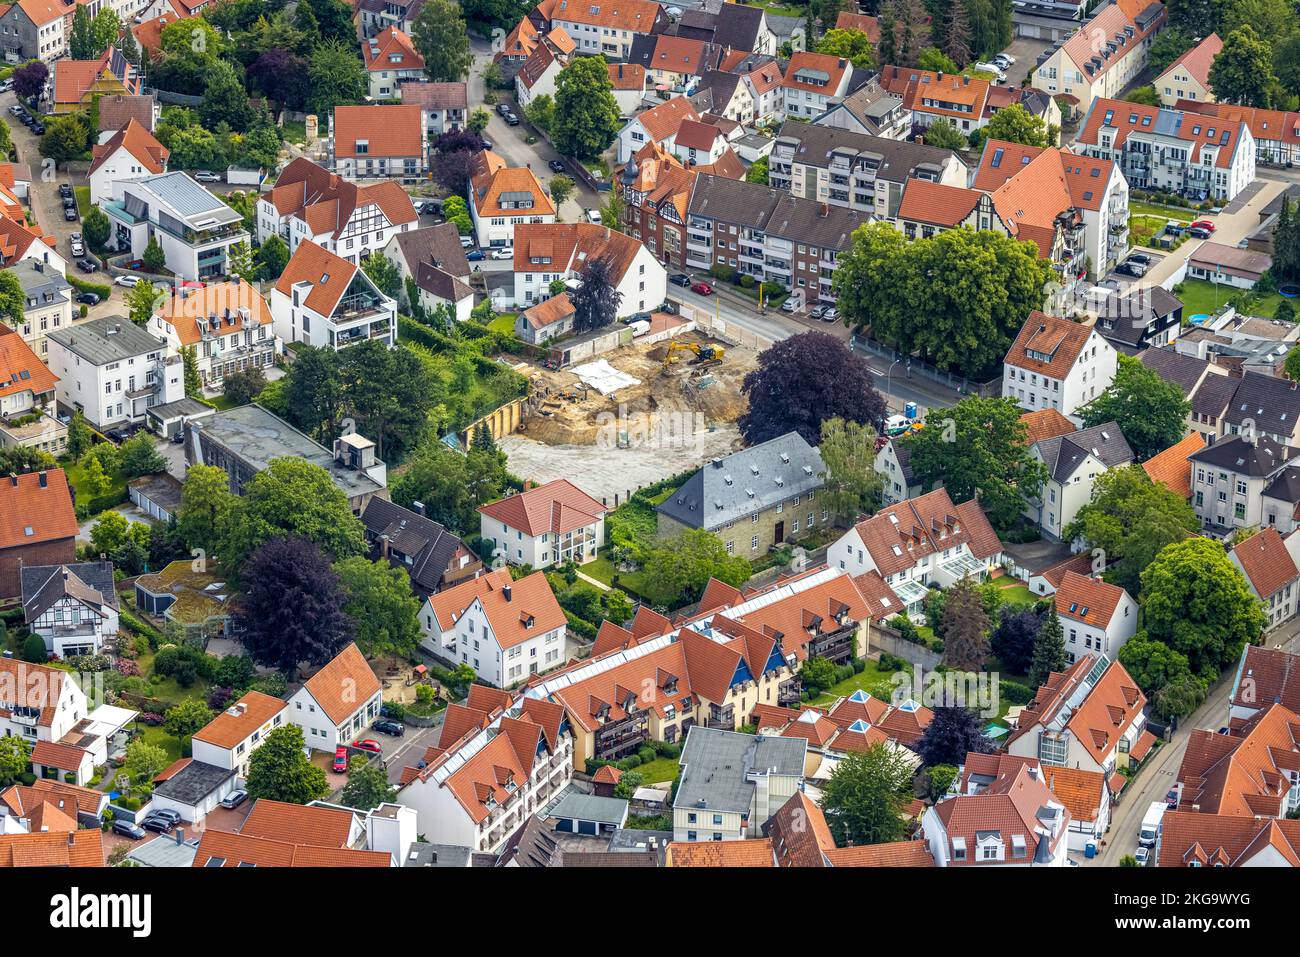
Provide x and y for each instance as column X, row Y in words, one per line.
column 27, row 387
column 1248, row 772
column 116, row 110
column 870, row 109
column 129, row 154
column 478, row 788
column 37, row 525
column 1104, row 55
column 928, row 208
column 659, row 124
column 39, row 703
column 245, row 440
column 1013, row 821
column 19, row 242
column 546, row 320
column 193, row 789
column 435, row 260
column 1239, row 483
column 229, row 326
column 231, row 849
column 338, row 702
column 82, row 848
column 196, row 599
column 894, row 464
column 730, row 25
column 433, row 557
column 1271, row 572
column 44, row 800
column 538, row 74
column 731, row 784
column 1228, row 265
column 545, row 525
column 504, row 197
column 1207, row 387
column 604, row 28
column 545, row 252
column 379, row 141
column 1264, row 676
column 318, row 824
column 324, row 300
column 919, row 543
column 801, row 837
column 628, row 84
column 1056, row 363
column 1172, row 468
column 229, row 739
column 766, row 233
column 1188, row 77
column 76, row 83
column 72, row 607
column 813, row 83
column 767, row 491
column 1190, row 839
column 744, row 88
column 113, row 370
column 518, row 44
column 390, row 58
column 444, row 106
column 1073, row 462
column 1142, row 319
column 1276, row 133
column 673, row 62
column 928, row 96
column 33, row 30
column 309, row 203
column 1090, row 717
column 1096, row 616
column 1162, row 149
column 195, row 228
column 374, row 15
column 721, row 854
column 856, row 170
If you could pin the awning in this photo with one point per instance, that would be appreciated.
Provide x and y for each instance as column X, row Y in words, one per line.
column 910, row 592
column 963, row 566
column 1143, row 745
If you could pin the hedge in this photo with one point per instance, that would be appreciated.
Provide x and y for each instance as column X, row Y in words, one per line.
column 134, row 624
column 102, row 503
column 1016, row 692
column 82, row 286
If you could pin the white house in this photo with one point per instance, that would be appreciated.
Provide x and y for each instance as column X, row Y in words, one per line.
column 1266, row 560
column 731, row 784
column 505, row 630
column 72, row 607
column 390, row 58
column 1057, row 364
column 131, row 153
column 19, row 242
column 546, row 252
column 545, row 525
column 1073, row 462
column 894, row 465
column 1105, row 55
column 48, row 296
column 503, row 197
column 919, row 543
column 228, row 324
column 1188, row 77
column 1096, row 617
column 229, row 739
column 324, row 300
column 1013, row 821
column 539, row 72
column 38, row 703
column 113, row 370
column 435, row 260
column 607, row 28
column 338, row 702
column 813, row 83
column 26, row 398
column 659, row 124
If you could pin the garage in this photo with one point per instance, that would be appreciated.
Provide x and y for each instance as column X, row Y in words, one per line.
column 588, row 814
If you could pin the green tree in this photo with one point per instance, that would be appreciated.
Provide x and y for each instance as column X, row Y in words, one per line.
column 965, row 628
column 677, row 569
column 1169, row 44
column 851, row 45
column 81, row 41
column 627, row 785
column 945, row 135
column 67, row 137
column 1152, row 664
column 562, row 188
column 95, row 227
column 1198, row 603
column 936, row 61
column 206, row 507
column 140, row 456
column 105, row 29
column 1243, row 70
column 866, row 795
column 367, row 786
column 440, row 38
column 1150, row 411
column 380, row 601
column 1049, row 650
column 1180, row 697
column 540, row 111
column 280, row 771
column 193, row 380
column 272, row 257
column 14, row 755
column 758, row 172
column 586, row 113
column 185, row 718
column 450, row 485
column 153, row 257
column 852, row 485
column 1015, row 124
column 383, row 273
column 979, row 445
column 145, row 761
column 240, row 258
column 13, row 301
column 110, row 532
column 612, row 213
column 79, row 436
column 817, row 674
column 225, row 100
column 337, row 77
column 241, row 388
column 144, row 299
column 94, row 482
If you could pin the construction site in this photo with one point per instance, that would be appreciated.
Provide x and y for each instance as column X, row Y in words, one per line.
column 632, row 415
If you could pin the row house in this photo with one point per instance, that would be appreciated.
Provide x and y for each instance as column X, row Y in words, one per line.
column 1249, row 771
column 379, row 142
column 894, row 465
column 1090, row 716
column 326, row 301
column 507, row 631
column 1270, row 570
column 27, row 391
column 1188, row 77
column 929, row 96
column 38, row 526
column 604, row 27
column 800, row 837
column 1209, row 388
column 928, row 208
column 1162, row 149
column 1096, row 616
column 502, row 197
column 1056, row 363
column 545, row 525
column 1073, row 462
column 390, row 58
column 73, row 608
column 444, row 106
column 1084, row 794
column 674, row 63
column 813, row 83
column 745, row 88
column 1240, row 483
column 309, row 203
column 730, row 26
column 229, row 325
column 1276, row 132
column 857, row 171
column 854, row 724
column 766, row 233
column 337, row 703
column 434, row 259
column 1264, row 676
column 547, row 252
column 918, row 544
column 1105, row 55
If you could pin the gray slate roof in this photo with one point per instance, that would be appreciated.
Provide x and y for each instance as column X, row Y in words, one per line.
column 430, row 546
column 110, row 339
column 746, row 482
column 1172, row 366
column 715, row 765
column 1214, row 395
column 187, row 197
column 39, row 281
column 577, row 806
column 1272, row 405
column 1286, row 486
column 774, row 211
column 43, row 585
column 438, row 245
column 895, row 159
column 1065, row 453
column 1235, row 454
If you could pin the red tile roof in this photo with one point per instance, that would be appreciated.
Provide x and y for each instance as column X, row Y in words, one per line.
column 298, row 824
column 344, row 685
column 662, row 121
column 228, row 849
column 1129, row 118
column 515, row 610
column 1197, row 61
column 803, row 61
column 326, row 201
column 21, row 369
column 327, row 275
column 916, row 87
column 1245, row 773
column 747, row 853
column 1061, row 340
column 1172, row 469
column 1268, row 675
column 1189, row 839
column 137, row 141
column 860, row 22
column 937, row 204
column 389, row 43
column 83, row 848
column 1267, row 563
column 31, row 514
column 240, row 719
column 922, row 526
column 1087, row 599
column 556, row 507
column 52, row 754
column 392, row 131
column 1046, row 424
column 1008, row 807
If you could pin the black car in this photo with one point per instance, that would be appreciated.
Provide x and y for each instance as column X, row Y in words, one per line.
column 511, row 119
column 503, row 109
column 393, row 728
column 88, row 298
column 1141, row 259
column 1131, row 269
column 69, row 202
column 86, row 265
column 38, row 129
column 680, row 279
column 70, row 213
column 557, row 166
column 134, row 831
column 117, row 435
column 163, row 825
column 65, row 190
column 1196, row 232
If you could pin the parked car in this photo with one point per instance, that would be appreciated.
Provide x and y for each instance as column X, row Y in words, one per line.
column 1197, row 232
column 817, row 312
column 88, row 298
column 393, row 728
column 557, row 166
column 1142, row 855
column 1140, row 258
column 992, row 68
column 234, row 798
column 38, row 128
column 680, row 279
column 503, row 109
column 1171, row 799
column 163, row 825
column 593, row 216
column 16, row 110
column 367, row 744
column 703, row 288
column 134, row 831
column 65, row 190
column 1203, row 224
column 831, row 314
column 117, row 435
column 340, row 760
column 207, row 176
column 1136, row 270
column 88, row 265
column 475, row 255
column 69, row 202
column 503, row 252
column 70, row 213
column 487, row 143
column 126, row 280
column 511, row 119
column 466, row 242
column 789, row 306
column 77, row 248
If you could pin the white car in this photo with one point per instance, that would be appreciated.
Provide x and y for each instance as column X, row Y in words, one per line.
column 593, row 216
column 503, row 252
column 77, row 248
column 125, row 280
column 466, row 242
column 1004, row 56
column 991, row 68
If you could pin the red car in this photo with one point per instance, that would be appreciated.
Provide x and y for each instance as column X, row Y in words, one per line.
column 367, row 744
column 340, row 760
column 1202, row 224
column 703, row 288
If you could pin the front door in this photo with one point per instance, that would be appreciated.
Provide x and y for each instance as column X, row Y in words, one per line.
column 779, row 535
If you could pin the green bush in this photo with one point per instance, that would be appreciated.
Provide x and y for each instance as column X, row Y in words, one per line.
column 646, row 754
column 145, row 630
column 1015, row 691
column 103, row 292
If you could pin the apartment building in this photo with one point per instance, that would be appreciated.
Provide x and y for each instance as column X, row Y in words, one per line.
column 48, row 302
column 1270, row 570
column 33, row 30
column 390, row 58
column 813, row 83
column 1104, row 55
column 1073, row 462
column 732, row 784
column 1056, row 363
column 229, row 325
column 324, row 300
column 870, row 109
column 1230, row 480
column 379, row 142
column 606, row 27
column 503, row 197
column 929, row 96
column 545, row 252
column 113, row 371
column 1276, row 133
column 27, row 388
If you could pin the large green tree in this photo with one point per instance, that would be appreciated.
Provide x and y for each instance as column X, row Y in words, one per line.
column 586, row 113
column 851, row 45
column 1015, row 124
column 451, row 486
column 1049, row 649
column 380, row 601
column 279, row 770
column 1149, row 410
column 337, row 77
column 1243, row 70
column 677, row 569
column 13, row 301
column 866, row 795
column 965, row 628
column 852, row 484
column 367, row 786
column 440, row 38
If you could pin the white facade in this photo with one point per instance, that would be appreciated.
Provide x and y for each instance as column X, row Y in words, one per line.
column 121, row 166
column 990, row 849
column 367, row 230
column 116, row 389
column 1082, row 638
column 374, row 318
column 236, row 757
column 644, row 286
column 471, row 639
column 319, row 731
column 72, row 627
column 39, row 686
column 1089, row 376
column 547, row 549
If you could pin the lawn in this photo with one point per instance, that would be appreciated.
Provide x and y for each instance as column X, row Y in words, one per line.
column 504, row 323
column 77, row 475
column 602, row 569
column 1015, row 592
column 877, row 683
column 82, row 194
column 1165, row 213
column 220, row 402
column 154, row 734
column 1202, row 296
column 658, row 771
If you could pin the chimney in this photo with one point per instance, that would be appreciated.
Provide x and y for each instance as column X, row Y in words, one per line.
column 65, row 573
column 505, row 591
column 383, row 546
column 417, row 508
column 180, row 836
column 13, row 479
column 45, row 482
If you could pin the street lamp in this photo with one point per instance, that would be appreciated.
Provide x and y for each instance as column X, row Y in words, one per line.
column 888, row 373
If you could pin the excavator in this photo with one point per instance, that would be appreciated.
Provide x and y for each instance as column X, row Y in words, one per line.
column 706, row 355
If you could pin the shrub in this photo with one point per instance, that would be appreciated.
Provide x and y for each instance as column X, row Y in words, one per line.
column 1015, row 691
column 646, row 754
column 747, row 281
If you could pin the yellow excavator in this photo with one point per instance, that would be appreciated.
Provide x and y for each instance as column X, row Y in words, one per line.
column 706, row 355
